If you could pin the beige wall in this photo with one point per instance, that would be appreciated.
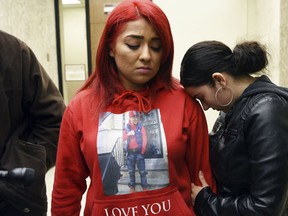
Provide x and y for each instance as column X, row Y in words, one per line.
column 263, row 25
column 283, row 43
column 191, row 21
column 33, row 21
column 230, row 22
column 268, row 23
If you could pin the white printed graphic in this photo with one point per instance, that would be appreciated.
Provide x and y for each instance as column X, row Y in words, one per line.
column 132, row 152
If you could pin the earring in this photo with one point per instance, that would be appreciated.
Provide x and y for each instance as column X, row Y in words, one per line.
column 217, row 93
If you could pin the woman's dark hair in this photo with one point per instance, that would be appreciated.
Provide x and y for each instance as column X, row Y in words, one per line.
column 207, row 57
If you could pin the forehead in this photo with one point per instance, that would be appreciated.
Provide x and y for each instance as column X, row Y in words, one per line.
column 138, row 27
column 198, row 90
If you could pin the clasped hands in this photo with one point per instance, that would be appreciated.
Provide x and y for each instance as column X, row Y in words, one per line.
column 196, row 189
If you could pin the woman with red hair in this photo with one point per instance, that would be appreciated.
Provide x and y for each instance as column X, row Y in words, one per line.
column 133, row 73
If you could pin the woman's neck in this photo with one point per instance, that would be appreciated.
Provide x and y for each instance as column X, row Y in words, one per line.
column 241, row 84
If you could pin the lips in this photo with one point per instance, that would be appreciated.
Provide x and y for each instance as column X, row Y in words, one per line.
column 144, row 70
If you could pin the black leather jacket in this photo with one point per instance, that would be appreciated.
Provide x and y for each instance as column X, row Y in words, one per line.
column 249, row 156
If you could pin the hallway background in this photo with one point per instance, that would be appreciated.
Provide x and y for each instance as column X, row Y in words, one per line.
column 34, row 22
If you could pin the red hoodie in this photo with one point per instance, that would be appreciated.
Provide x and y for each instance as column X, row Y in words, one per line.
column 177, row 148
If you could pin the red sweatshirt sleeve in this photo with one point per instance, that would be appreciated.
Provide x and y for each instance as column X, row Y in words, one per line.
column 199, row 145
column 71, row 171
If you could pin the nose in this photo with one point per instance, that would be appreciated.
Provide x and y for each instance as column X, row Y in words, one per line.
column 145, row 53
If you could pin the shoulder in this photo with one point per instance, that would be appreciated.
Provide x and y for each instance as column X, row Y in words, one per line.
column 177, row 92
column 7, row 38
column 178, row 96
column 266, row 124
column 81, row 109
column 15, row 52
column 266, row 102
column 83, row 100
column 8, row 41
column 192, row 109
column 268, row 109
column 181, row 95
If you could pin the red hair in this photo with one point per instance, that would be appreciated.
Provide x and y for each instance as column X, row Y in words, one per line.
column 105, row 78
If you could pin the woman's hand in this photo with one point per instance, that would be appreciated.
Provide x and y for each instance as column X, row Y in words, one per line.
column 196, row 189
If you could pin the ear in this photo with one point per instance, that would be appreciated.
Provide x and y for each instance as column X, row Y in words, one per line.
column 219, row 78
column 111, row 53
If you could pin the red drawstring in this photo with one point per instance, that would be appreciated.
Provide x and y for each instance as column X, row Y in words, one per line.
column 144, row 104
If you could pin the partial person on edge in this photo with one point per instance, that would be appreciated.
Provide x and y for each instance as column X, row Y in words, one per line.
column 30, row 113
column 249, row 141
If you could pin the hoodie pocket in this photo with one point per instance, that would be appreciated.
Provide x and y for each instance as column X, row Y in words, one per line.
column 169, row 203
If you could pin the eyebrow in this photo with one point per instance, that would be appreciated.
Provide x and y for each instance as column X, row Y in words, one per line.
column 142, row 37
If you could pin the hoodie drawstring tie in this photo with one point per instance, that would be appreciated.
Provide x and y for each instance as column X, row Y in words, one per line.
column 144, row 104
